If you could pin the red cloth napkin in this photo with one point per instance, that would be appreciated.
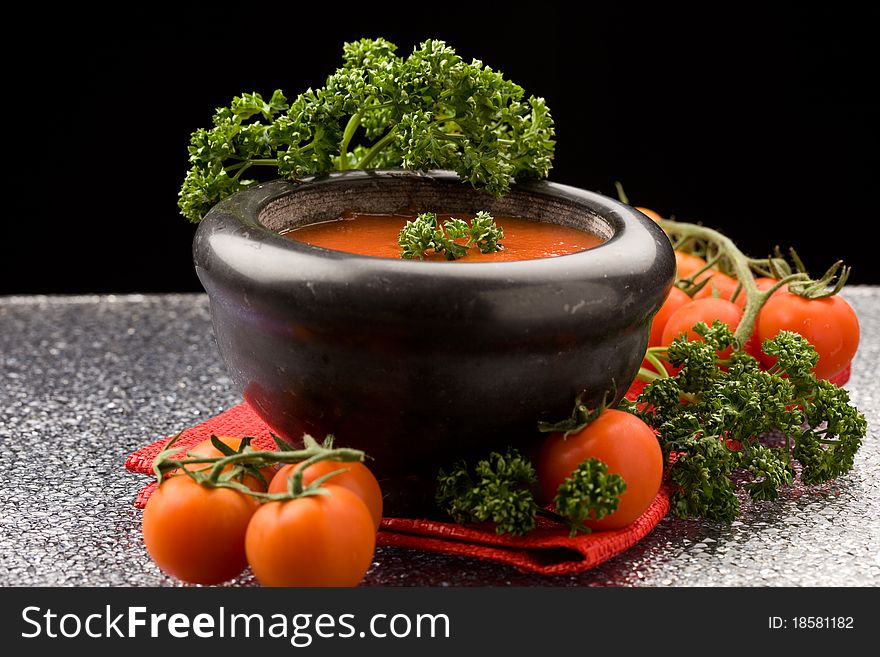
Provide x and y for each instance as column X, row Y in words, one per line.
column 547, row 550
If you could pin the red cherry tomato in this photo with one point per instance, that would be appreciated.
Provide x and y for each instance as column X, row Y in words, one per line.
column 625, row 444
column 725, row 286
column 675, row 300
column 206, row 449
column 357, row 478
column 197, row 533
column 765, row 283
column 318, row 540
column 702, row 310
column 829, row 324
column 654, row 216
column 686, row 264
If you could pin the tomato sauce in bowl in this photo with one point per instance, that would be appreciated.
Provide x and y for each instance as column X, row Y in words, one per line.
column 376, row 235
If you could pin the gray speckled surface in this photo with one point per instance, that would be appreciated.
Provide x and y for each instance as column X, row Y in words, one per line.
column 87, row 380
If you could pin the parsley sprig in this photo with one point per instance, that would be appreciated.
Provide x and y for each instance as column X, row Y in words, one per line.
column 498, row 490
column 425, row 233
column 431, row 109
column 711, row 419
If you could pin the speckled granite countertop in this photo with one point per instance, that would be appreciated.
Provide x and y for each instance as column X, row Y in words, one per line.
column 93, row 378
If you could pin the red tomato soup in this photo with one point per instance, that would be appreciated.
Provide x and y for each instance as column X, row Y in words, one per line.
column 376, row 235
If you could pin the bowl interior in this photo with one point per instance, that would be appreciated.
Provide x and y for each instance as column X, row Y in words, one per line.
column 412, row 194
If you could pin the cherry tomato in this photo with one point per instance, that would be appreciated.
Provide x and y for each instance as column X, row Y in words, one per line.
column 724, row 285
column 686, row 264
column 197, row 533
column 625, row 444
column 829, row 324
column 650, row 213
column 765, row 283
column 675, row 300
column 206, row 449
column 357, row 478
column 702, row 310
column 318, row 540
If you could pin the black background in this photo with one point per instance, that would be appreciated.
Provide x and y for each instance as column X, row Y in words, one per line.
column 762, row 123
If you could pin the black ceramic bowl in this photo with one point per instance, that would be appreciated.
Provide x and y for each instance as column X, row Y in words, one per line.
column 423, row 363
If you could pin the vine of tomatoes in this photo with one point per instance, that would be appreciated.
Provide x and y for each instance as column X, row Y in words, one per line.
column 756, row 298
column 621, row 441
column 211, row 515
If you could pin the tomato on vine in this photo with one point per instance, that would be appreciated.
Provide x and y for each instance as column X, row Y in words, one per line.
column 354, row 476
column 722, row 286
column 651, row 214
column 687, row 264
column 322, row 539
column 713, row 407
column 675, row 300
column 705, row 310
column 197, row 522
column 764, row 283
column 625, row 444
column 232, row 445
column 196, row 533
column 829, row 324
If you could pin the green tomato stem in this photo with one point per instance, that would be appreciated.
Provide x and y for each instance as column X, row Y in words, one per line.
column 313, row 453
column 651, row 357
column 740, row 264
column 647, row 376
column 711, row 262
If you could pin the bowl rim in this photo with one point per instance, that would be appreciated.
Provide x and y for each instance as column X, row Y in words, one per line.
column 631, row 231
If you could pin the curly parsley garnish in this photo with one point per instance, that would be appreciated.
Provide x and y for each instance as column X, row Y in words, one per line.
column 589, row 493
column 710, row 418
column 425, row 234
column 498, row 490
column 378, row 110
